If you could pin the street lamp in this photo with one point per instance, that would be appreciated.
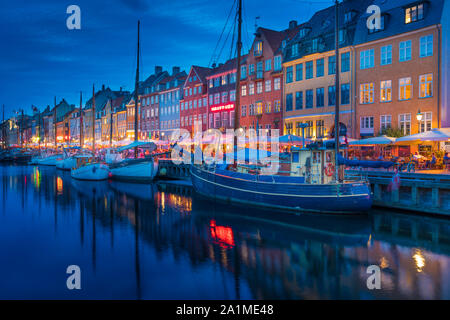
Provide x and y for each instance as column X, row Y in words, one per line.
column 419, row 116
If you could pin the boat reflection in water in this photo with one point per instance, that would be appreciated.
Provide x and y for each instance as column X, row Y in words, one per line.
column 163, row 242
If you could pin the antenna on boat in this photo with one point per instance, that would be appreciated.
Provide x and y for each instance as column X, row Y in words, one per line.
column 93, row 120
column 336, row 118
column 136, row 95
column 81, row 120
column 54, row 126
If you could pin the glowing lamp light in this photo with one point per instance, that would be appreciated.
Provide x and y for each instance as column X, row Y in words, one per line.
column 419, row 116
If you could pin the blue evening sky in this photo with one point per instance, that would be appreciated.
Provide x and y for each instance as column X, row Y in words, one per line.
column 41, row 58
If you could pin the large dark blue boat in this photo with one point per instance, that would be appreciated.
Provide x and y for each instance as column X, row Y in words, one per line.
column 305, row 182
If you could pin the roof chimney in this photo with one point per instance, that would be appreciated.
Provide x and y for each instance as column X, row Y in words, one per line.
column 292, row 24
column 175, row 70
column 158, row 69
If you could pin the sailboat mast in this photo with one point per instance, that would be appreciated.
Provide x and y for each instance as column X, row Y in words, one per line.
column 136, row 95
column 3, row 129
column 54, row 126
column 93, row 119
column 81, row 120
column 238, row 71
column 111, row 124
column 337, row 89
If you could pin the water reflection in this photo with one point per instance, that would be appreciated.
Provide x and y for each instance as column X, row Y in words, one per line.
column 161, row 242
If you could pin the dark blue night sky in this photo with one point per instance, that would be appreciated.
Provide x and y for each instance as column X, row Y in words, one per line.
column 41, row 58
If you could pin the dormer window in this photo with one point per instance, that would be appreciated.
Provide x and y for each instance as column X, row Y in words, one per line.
column 294, row 48
column 349, row 15
column 315, row 45
column 382, row 25
column 414, row 13
column 303, row 32
column 257, row 51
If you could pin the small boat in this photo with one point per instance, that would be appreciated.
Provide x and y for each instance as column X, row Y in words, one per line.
column 305, row 184
column 48, row 160
column 87, row 168
column 69, row 161
column 138, row 169
column 112, row 156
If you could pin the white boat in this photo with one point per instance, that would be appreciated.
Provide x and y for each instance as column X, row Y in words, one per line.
column 136, row 170
column 88, row 169
column 49, row 160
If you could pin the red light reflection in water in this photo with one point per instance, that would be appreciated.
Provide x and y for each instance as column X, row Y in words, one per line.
column 222, row 235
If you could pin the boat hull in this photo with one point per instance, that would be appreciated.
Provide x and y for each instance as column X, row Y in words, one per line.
column 49, row 161
column 344, row 198
column 91, row 172
column 142, row 171
column 66, row 164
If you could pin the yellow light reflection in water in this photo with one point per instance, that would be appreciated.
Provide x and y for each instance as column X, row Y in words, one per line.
column 419, row 260
column 37, row 178
column 59, row 185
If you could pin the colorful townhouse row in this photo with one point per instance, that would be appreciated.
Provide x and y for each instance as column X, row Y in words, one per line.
column 392, row 78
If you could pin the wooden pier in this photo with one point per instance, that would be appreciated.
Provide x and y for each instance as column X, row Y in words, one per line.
column 425, row 193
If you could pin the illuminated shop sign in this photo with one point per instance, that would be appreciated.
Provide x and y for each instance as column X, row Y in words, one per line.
column 223, row 107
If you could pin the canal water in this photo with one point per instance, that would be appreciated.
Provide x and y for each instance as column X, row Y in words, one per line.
column 162, row 241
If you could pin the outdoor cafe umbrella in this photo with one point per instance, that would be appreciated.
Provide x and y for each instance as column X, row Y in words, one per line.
column 442, row 134
column 382, row 140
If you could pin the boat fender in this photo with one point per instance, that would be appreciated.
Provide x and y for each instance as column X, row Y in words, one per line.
column 329, row 170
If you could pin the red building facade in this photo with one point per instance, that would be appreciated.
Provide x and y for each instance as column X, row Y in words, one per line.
column 194, row 105
column 262, row 80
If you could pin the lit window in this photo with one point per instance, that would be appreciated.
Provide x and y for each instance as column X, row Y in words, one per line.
column 367, row 93
column 405, row 89
column 414, row 13
column 386, row 91
column 426, row 86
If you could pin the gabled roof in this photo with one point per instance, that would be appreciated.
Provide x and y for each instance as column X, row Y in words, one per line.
column 394, row 12
column 202, row 72
column 227, row 66
column 321, row 26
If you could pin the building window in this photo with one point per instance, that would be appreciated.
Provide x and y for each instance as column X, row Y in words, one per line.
column 414, row 13
column 294, row 50
column 211, row 98
column 277, row 106
column 288, row 128
column 367, row 59
column 405, row 89
column 386, row 55
column 319, row 97
column 224, row 80
column 268, row 64
column 259, row 70
column 426, row 46
column 243, row 72
column 268, row 85
column 251, row 69
column 309, row 99
column 385, row 122
column 258, row 49
column 299, row 72
column 367, row 93
column 224, row 98
column 232, row 96
column 299, row 100
column 277, row 84
column 366, row 123
column 331, row 65
column 426, row 86
column 315, row 45
column 243, row 111
column 309, row 70
column 319, row 67
column 426, row 124
column 251, row 89
column 289, row 75
column 259, row 108
column 277, row 63
column 320, row 129
column 243, row 91
column 309, row 129
column 216, row 99
column 289, row 102
column 268, row 107
column 386, row 91
column 259, row 87
column 331, row 95
column 405, row 123
column 405, row 51
column 345, row 62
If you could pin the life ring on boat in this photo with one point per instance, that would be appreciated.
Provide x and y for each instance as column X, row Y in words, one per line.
column 329, row 170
